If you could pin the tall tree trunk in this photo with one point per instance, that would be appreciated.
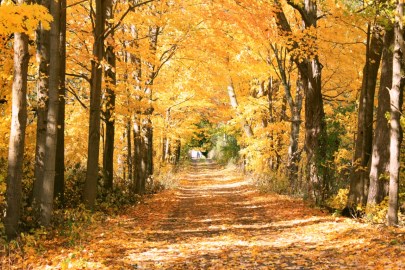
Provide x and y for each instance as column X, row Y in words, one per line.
column 137, row 156
column 293, row 157
column 380, row 158
column 129, row 152
column 359, row 177
column 42, row 108
column 90, row 185
column 154, row 32
column 52, row 117
column 396, row 96
column 17, row 134
column 177, row 152
column 315, row 128
column 293, row 151
column 108, row 157
column 60, row 146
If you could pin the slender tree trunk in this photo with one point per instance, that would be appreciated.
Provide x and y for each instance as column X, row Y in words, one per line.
column 379, row 169
column 149, row 147
column 60, row 146
column 52, row 117
column 90, row 185
column 396, row 96
column 42, row 108
column 154, row 32
column 17, row 134
column 293, row 157
column 108, row 157
column 177, row 152
column 137, row 157
column 293, row 152
column 129, row 152
column 363, row 147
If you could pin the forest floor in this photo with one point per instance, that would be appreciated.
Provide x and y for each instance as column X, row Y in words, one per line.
column 215, row 219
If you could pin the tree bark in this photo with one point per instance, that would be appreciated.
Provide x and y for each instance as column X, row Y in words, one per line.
column 396, row 96
column 294, row 156
column 52, row 117
column 17, row 134
column 108, row 157
column 60, row 146
column 41, row 109
column 129, row 152
column 137, row 156
column 363, row 146
column 379, row 169
column 315, row 128
column 90, row 185
column 177, row 152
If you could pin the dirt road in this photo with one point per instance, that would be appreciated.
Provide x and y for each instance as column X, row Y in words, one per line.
column 216, row 220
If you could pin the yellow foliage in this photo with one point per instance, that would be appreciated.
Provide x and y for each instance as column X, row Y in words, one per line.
column 23, row 18
column 339, row 200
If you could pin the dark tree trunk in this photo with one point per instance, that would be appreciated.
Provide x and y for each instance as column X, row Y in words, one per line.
column 359, row 177
column 90, row 185
column 41, row 110
column 129, row 152
column 60, row 146
column 294, row 156
column 17, row 134
column 137, row 156
column 380, row 158
column 109, row 115
column 315, row 128
column 177, row 152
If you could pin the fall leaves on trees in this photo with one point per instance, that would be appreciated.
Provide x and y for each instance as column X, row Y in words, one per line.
column 101, row 102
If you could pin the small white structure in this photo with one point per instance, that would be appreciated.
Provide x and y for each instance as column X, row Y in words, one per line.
column 196, row 154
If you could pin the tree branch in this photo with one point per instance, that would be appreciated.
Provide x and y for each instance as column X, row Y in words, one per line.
column 79, row 76
column 70, row 90
column 300, row 10
column 108, row 31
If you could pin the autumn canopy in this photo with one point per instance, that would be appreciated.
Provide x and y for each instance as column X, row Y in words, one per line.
column 102, row 101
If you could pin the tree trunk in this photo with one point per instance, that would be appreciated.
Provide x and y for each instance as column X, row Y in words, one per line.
column 60, row 146
column 137, row 156
column 129, row 152
column 293, row 152
column 379, row 169
column 293, row 157
column 108, row 157
column 315, row 131
column 315, row 128
column 41, row 110
column 359, row 177
column 177, row 152
column 52, row 117
column 90, row 185
column 396, row 96
column 17, row 134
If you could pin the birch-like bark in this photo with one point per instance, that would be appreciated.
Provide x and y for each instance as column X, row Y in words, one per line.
column 396, row 96
column 17, row 134
column 52, row 117
column 42, row 108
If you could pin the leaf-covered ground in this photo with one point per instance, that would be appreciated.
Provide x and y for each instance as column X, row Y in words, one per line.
column 216, row 220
